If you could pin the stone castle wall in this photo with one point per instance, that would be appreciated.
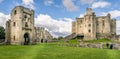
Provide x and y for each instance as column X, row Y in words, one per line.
column 93, row 27
column 20, row 28
column 43, row 35
column 21, row 23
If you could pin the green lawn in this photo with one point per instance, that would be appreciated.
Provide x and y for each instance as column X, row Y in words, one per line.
column 98, row 40
column 53, row 51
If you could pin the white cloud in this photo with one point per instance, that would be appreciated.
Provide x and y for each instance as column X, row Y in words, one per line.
column 3, row 19
column 69, row 4
column 28, row 3
column 57, row 27
column 58, row 6
column 87, row 1
column 114, row 13
column 100, row 4
column 48, row 2
column 1, row 1
column 81, row 15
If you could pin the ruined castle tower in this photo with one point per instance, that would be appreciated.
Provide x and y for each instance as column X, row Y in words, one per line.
column 20, row 28
column 92, row 27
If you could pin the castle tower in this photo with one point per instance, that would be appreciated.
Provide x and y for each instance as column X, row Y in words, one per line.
column 107, row 23
column 113, row 26
column 7, row 32
column 88, row 11
column 90, row 24
column 74, row 27
column 21, row 26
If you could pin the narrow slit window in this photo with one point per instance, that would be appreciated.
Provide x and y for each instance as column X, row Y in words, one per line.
column 103, row 23
column 14, row 24
column 14, row 38
column 15, row 12
column 26, row 24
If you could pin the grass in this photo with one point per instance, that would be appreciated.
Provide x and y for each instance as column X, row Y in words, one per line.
column 75, row 41
column 53, row 51
column 103, row 40
column 98, row 40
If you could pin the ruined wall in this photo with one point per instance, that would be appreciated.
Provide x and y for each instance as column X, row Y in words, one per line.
column 74, row 27
column 43, row 35
column 7, row 32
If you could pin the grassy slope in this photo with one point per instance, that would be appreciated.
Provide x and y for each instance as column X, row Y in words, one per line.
column 99, row 40
column 53, row 51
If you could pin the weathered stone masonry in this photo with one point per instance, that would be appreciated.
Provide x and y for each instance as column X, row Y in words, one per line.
column 92, row 27
column 20, row 28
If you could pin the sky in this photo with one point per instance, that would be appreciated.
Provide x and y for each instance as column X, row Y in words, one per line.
column 56, row 15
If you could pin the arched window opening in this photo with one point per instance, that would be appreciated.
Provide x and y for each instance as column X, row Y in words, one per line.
column 25, row 16
column 89, row 31
column 14, row 38
column 26, row 24
column 103, row 22
column 15, row 12
column 89, row 25
column 14, row 24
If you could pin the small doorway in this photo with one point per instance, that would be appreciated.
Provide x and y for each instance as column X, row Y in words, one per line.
column 81, row 37
column 26, row 39
column 41, row 40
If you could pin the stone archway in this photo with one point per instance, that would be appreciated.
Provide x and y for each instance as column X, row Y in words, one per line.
column 81, row 37
column 26, row 39
column 42, row 40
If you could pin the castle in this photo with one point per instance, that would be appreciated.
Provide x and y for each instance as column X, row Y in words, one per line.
column 92, row 27
column 20, row 29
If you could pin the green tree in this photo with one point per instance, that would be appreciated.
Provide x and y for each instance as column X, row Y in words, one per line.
column 2, row 32
column 60, row 37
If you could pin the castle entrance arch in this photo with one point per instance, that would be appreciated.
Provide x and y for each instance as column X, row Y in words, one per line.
column 26, row 39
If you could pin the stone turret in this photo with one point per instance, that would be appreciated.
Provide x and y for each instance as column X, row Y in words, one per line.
column 88, row 11
column 90, row 24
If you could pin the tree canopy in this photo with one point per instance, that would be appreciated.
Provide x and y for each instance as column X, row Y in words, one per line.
column 2, row 32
